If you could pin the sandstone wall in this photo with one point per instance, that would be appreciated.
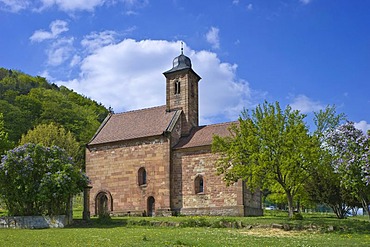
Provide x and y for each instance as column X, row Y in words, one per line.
column 217, row 198
column 114, row 169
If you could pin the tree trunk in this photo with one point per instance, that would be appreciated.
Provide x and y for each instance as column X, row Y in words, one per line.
column 290, row 204
column 365, row 206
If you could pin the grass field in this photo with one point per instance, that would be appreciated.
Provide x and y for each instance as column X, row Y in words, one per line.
column 313, row 230
column 165, row 236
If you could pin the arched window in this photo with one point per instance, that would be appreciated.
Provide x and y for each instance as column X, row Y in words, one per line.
column 177, row 87
column 199, row 184
column 142, row 176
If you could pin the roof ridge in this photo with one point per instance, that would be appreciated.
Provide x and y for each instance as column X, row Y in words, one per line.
column 139, row 110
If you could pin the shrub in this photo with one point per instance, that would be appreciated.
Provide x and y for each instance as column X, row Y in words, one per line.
column 297, row 216
column 36, row 180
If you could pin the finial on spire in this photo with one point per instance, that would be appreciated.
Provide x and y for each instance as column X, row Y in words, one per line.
column 182, row 47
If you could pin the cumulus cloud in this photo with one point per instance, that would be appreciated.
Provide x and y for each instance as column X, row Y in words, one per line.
column 213, row 38
column 56, row 27
column 14, row 5
column 363, row 125
column 128, row 75
column 305, row 104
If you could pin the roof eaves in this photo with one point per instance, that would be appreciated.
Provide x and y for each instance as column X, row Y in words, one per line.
column 125, row 140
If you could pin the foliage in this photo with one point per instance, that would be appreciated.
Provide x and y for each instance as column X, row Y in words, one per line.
column 5, row 144
column 297, row 216
column 350, row 148
column 324, row 184
column 37, row 180
column 27, row 101
column 49, row 135
column 269, row 148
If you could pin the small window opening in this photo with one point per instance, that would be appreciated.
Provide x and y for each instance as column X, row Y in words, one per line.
column 142, row 176
column 177, row 87
column 199, row 185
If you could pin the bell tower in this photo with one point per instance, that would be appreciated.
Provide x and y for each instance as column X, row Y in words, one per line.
column 182, row 92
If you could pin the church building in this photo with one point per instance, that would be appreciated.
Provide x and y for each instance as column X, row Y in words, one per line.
column 158, row 161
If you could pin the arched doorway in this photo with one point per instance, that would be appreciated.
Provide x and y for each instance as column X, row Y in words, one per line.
column 151, row 206
column 103, row 203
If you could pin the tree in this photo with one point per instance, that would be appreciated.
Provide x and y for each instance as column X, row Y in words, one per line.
column 5, row 144
column 324, row 184
column 50, row 135
column 350, row 148
column 267, row 148
column 36, row 180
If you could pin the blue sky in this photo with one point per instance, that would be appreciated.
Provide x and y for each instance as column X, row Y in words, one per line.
column 305, row 53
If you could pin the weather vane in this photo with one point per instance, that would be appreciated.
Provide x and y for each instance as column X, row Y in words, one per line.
column 182, row 47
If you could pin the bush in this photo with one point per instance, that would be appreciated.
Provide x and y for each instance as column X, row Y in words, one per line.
column 38, row 180
column 297, row 216
column 196, row 222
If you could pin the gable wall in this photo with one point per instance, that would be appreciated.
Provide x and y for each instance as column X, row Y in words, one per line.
column 114, row 168
column 217, row 199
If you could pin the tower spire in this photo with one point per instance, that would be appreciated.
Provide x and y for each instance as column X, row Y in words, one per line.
column 182, row 48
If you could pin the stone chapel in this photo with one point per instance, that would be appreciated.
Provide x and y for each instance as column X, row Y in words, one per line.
column 158, row 161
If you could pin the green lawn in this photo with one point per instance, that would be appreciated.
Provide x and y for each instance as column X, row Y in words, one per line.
column 313, row 230
column 167, row 236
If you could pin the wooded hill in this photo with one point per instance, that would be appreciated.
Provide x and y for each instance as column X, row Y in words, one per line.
column 27, row 101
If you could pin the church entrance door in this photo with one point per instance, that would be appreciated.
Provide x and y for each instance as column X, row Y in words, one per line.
column 151, row 206
column 102, row 201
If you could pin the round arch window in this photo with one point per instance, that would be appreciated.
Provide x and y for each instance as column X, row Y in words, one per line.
column 142, row 176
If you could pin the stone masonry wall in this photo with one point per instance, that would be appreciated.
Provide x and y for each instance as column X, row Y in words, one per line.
column 252, row 202
column 217, row 198
column 187, row 100
column 114, row 169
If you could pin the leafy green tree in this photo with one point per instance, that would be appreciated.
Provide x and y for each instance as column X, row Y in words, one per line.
column 37, row 180
column 324, row 185
column 16, row 120
column 50, row 135
column 267, row 148
column 5, row 144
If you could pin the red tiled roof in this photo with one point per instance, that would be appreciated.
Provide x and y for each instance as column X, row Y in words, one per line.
column 134, row 124
column 203, row 135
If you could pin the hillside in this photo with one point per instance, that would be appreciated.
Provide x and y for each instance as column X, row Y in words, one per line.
column 27, row 101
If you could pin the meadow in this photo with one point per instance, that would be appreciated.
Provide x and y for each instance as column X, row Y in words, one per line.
column 313, row 230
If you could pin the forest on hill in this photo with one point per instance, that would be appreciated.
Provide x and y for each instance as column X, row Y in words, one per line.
column 27, row 101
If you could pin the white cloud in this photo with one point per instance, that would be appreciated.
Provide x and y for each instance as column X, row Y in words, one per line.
column 250, row 6
column 14, row 5
column 60, row 51
column 363, row 125
column 72, row 5
column 128, row 75
column 235, row 2
column 305, row 2
column 56, row 27
column 305, row 104
column 95, row 40
column 213, row 37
